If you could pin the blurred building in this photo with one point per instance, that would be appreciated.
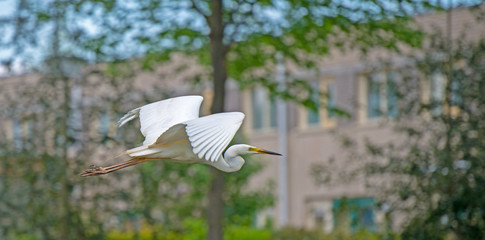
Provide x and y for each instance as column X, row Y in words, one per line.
column 318, row 139
column 314, row 139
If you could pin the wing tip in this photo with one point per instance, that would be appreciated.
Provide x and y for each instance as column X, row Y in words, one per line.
column 239, row 115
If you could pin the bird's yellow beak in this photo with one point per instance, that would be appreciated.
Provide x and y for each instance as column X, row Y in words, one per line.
column 262, row 151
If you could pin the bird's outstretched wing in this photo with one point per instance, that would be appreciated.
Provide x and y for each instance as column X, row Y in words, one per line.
column 210, row 135
column 157, row 117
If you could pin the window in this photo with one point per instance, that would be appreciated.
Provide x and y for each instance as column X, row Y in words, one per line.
column 319, row 218
column 21, row 133
column 263, row 110
column 455, row 94
column 392, row 97
column 28, row 131
column 438, row 94
column 381, row 95
column 331, row 101
column 320, row 215
column 313, row 117
column 355, row 214
column 17, row 134
column 264, row 218
column 373, row 97
column 438, row 85
column 325, row 116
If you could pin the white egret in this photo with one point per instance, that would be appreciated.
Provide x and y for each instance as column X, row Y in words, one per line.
column 174, row 131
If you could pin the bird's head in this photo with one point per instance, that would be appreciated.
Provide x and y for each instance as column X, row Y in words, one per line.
column 233, row 160
column 247, row 149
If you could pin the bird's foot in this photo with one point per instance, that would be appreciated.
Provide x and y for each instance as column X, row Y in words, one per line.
column 93, row 171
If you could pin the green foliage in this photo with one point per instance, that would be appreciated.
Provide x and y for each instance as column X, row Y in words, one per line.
column 246, row 233
column 192, row 229
column 196, row 229
column 241, row 205
column 145, row 234
column 294, row 233
column 254, row 31
column 35, row 183
column 417, row 229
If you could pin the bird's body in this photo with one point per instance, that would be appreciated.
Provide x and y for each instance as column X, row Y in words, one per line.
column 174, row 131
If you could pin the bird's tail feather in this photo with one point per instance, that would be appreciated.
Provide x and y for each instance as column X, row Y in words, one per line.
column 141, row 151
column 118, row 156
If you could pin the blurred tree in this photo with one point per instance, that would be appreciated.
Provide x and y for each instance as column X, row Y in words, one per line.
column 235, row 38
column 436, row 170
column 453, row 163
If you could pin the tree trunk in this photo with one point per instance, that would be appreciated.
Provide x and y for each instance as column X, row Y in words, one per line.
column 215, row 210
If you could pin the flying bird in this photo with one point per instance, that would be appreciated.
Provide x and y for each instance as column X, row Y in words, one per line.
column 174, row 131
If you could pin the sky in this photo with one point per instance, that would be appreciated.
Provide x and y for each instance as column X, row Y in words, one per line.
column 6, row 7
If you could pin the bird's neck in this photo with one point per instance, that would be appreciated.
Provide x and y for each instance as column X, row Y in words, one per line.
column 231, row 162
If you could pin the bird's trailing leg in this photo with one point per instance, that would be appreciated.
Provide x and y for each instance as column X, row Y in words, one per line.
column 96, row 170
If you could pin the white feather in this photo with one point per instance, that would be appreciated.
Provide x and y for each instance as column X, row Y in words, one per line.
column 210, row 135
column 157, row 117
column 218, row 150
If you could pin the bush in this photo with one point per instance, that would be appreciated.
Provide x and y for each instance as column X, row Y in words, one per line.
column 146, row 233
column 196, row 229
column 246, row 233
column 295, row 233
column 302, row 234
column 192, row 229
